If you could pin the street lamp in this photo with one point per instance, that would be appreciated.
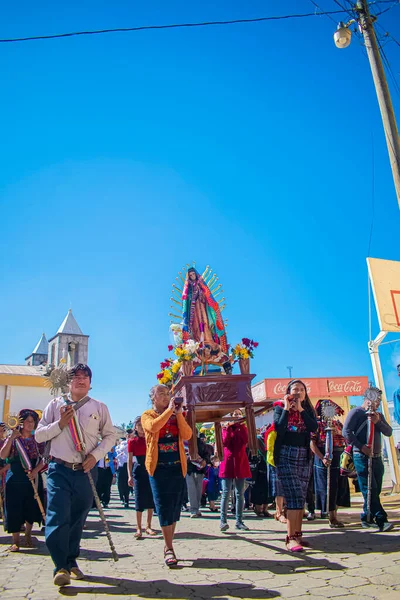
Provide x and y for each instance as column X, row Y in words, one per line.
column 342, row 39
column 342, row 36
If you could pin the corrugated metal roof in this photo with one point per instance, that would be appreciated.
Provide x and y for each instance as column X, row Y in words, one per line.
column 22, row 370
column 69, row 325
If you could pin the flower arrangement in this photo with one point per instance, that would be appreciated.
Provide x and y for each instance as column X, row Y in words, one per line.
column 187, row 350
column 168, row 371
column 244, row 350
column 170, row 368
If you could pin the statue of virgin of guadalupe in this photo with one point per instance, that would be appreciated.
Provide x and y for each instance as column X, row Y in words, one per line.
column 202, row 320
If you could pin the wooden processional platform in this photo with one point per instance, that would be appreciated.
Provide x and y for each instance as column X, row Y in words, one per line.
column 212, row 398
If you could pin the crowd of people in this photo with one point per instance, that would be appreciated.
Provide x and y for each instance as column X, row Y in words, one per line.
column 152, row 463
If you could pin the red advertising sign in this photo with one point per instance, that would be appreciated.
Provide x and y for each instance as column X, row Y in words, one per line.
column 318, row 387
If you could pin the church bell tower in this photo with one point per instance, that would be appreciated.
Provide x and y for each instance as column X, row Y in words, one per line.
column 69, row 343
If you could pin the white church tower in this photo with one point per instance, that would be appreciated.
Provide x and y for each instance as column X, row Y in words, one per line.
column 69, row 343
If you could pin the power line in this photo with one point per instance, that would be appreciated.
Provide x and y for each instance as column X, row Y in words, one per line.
column 171, row 26
column 323, row 12
column 372, row 194
column 387, row 9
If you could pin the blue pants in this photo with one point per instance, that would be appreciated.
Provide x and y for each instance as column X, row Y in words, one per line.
column 378, row 514
column 227, row 484
column 69, row 499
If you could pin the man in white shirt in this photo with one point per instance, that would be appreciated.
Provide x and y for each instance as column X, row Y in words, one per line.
column 69, row 494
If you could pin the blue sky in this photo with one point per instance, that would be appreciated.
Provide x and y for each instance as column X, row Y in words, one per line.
column 246, row 147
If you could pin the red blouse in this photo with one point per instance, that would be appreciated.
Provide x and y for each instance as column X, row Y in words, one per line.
column 137, row 446
column 320, row 435
column 170, row 428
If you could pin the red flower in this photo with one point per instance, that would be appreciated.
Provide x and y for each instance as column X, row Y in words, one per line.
column 246, row 341
column 170, row 348
column 160, row 375
column 165, row 364
column 255, row 344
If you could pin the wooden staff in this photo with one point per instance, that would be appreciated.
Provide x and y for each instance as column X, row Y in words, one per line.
column 38, row 500
column 370, row 444
column 2, row 510
column 81, row 448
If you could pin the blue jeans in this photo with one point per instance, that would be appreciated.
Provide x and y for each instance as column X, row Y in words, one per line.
column 378, row 514
column 227, row 484
column 69, row 499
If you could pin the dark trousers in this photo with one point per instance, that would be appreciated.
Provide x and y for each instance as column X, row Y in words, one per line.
column 378, row 514
column 69, row 499
column 123, row 487
column 103, row 486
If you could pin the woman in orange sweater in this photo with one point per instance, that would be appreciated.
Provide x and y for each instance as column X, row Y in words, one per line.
column 166, row 429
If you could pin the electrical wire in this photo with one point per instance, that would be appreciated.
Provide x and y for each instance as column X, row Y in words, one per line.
column 387, row 9
column 171, row 26
column 323, row 12
column 372, row 193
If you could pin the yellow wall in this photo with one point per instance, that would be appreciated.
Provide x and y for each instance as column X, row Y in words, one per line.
column 24, row 380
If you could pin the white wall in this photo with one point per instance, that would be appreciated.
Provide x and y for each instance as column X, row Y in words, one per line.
column 28, row 397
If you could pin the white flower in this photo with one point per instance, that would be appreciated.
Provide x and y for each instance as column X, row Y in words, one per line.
column 191, row 346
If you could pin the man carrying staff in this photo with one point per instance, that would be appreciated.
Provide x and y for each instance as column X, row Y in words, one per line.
column 355, row 432
column 69, row 494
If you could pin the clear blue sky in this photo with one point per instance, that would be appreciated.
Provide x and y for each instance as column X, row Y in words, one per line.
column 246, row 147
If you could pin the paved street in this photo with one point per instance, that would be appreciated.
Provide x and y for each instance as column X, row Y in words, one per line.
column 348, row 564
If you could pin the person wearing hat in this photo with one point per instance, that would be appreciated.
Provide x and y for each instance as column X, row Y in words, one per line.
column 339, row 491
column 21, row 507
column 355, row 431
column 69, row 494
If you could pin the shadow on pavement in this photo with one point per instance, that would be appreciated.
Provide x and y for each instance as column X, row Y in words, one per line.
column 163, row 588
column 355, row 541
column 278, row 566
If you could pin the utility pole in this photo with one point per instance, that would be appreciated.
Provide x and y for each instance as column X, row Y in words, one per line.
column 290, row 371
column 382, row 91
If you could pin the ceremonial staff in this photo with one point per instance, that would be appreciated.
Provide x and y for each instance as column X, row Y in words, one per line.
column 372, row 396
column 328, row 412
column 13, row 422
column 58, row 380
column 2, row 509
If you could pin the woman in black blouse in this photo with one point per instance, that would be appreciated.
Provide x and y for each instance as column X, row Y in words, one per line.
column 294, row 420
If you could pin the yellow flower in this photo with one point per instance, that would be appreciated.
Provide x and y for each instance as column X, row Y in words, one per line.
column 168, row 375
column 245, row 354
column 179, row 352
column 175, row 367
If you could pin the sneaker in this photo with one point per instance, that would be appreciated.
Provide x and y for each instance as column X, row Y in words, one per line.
column 195, row 515
column 386, row 526
column 242, row 527
column 62, row 577
column 311, row 517
column 224, row 527
column 76, row 573
column 199, row 514
column 366, row 525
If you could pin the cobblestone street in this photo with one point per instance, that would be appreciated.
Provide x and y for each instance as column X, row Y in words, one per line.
column 350, row 563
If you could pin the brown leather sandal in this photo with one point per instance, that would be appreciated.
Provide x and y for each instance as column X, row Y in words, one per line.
column 170, row 558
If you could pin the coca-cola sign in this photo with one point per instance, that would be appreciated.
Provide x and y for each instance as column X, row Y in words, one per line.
column 319, row 387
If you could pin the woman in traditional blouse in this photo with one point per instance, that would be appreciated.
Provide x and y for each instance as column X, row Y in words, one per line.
column 339, row 494
column 138, row 478
column 20, row 504
column 166, row 429
column 294, row 421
